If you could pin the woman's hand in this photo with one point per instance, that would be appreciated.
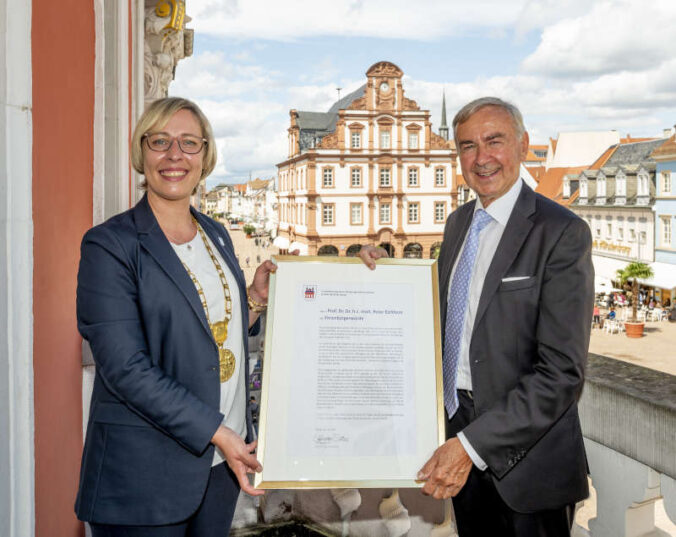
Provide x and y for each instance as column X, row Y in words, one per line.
column 239, row 457
column 259, row 288
column 368, row 254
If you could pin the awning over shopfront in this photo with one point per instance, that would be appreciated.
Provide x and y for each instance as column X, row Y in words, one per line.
column 607, row 267
column 281, row 242
column 664, row 277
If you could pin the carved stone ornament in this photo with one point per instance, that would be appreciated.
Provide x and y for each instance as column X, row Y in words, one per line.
column 385, row 69
column 166, row 41
column 330, row 141
column 410, row 104
column 437, row 142
column 359, row 104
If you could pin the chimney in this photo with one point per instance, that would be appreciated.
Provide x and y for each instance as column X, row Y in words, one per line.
column 667, row 132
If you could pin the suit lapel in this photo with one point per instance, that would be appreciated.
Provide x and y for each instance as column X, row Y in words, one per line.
column 156, row 244
column 517, row 230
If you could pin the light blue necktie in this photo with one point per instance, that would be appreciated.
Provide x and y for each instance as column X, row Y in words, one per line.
column 457, row 308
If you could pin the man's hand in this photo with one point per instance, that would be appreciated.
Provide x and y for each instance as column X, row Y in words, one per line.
column 368, row 254
column 239, row 457
column 447, row 470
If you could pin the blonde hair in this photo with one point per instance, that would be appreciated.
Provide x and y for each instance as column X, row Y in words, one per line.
column 156, row 116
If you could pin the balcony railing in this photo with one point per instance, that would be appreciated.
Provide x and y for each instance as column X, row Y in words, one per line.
column 629, row 421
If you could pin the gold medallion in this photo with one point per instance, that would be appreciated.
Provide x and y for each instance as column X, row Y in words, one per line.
column 220, row 331
column 226, row 360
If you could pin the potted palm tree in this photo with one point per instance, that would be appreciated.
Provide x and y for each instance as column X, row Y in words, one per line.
column 631, row 273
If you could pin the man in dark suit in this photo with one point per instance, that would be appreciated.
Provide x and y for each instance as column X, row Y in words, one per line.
column 516, row 296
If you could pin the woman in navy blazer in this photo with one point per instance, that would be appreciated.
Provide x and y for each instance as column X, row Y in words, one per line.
column 163, row 370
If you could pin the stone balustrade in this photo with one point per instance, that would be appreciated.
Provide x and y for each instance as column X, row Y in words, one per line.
column 629, row 421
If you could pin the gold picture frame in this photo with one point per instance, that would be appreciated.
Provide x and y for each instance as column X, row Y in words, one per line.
column 352, row 393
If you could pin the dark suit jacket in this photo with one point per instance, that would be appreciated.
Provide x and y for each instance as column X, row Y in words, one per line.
column 528, row 351
column 155, row 403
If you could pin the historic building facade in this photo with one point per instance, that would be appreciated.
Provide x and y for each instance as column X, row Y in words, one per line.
column 665, row 202
column 368, row 171
column 618, row 200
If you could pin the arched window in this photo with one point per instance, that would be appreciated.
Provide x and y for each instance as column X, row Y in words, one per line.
column 328, row 250
column 353, row 250
column 413, row 250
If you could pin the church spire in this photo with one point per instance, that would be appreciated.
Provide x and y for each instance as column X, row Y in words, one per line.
column 443, row 128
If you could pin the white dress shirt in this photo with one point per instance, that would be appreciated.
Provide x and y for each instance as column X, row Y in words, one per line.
column 489, row 238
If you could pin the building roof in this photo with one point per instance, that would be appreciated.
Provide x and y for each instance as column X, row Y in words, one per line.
column 537, row 172
column 257, row 184
column 634, row 153
column 550, row 184
column 315, row 125
column 628, row 139
column 601, row 161
column 345, row 102
column 668, row 148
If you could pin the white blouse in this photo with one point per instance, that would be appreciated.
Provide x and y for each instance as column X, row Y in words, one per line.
column 233, row 393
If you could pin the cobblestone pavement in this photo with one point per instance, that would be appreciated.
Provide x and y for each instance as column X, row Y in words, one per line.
column 654, row 350
column 246, row 248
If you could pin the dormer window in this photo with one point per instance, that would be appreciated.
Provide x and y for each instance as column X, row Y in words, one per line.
column 601, row 190
column 566, row 188
column 583, row 191
column 642, row 189
column 620, row 189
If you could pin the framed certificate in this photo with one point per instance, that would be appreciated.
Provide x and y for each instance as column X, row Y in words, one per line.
column 352, row 383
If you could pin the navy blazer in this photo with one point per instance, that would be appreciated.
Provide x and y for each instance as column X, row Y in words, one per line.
column 155, row 403
column 528, row 351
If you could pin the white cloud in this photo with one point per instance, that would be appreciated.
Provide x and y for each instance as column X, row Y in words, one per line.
column 295, row 19
column 615, row 35
column 599, row 64
column 212, row 75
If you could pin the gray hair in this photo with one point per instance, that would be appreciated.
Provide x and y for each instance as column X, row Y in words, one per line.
column 473, row 107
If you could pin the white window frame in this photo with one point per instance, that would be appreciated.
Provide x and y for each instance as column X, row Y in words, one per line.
column 386, row 138
column 328, row 214
column 413, row 140
column 601, row 187
column 385, row 173
column 620, row 185
column 328, row 172
column 666, row 182
column 440, row 172
column 413, row 212
column 413, row 170
column 360, row 216
column 666, row 234
column 388, row 207
column 439, row 217
column 355, row 139
column 352, row 177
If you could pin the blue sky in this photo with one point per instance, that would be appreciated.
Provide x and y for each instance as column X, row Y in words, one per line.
column 568, row 64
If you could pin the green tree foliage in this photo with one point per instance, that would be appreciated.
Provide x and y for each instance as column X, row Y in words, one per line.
column 631, row 273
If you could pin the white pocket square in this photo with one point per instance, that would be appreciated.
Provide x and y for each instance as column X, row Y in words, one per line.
column 515, row 278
